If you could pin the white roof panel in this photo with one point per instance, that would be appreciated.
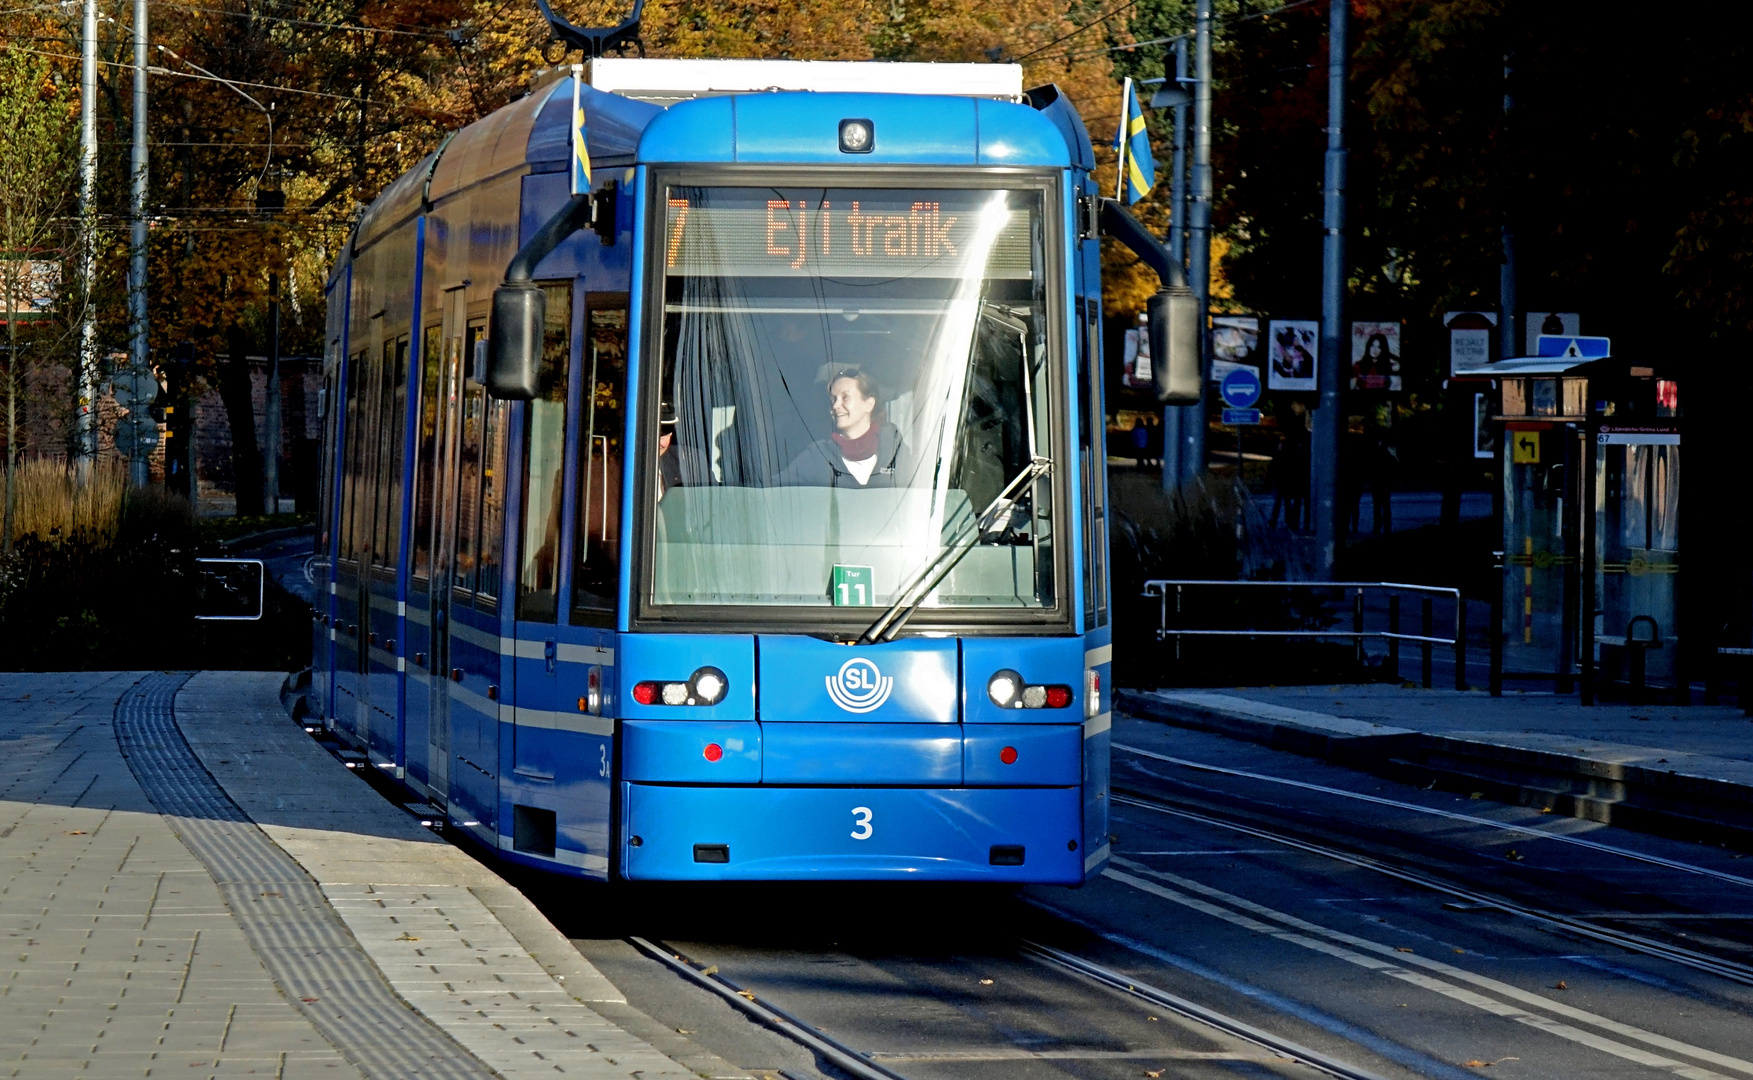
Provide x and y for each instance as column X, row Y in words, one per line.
column 665, row 81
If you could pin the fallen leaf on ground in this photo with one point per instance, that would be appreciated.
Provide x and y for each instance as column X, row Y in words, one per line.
column 1156, row 1072
column 407, row 937
column 750, row 994
column 713, row 970
column 77, row 832
column 684, row 1031
column 1513, row 855
column 1546, row 809
column 1559, row 985
column 307, row 1001
column 1475, row 1063
column 1462, row 951
column 985, row 982
column 1401, row 948
column 1477, row 795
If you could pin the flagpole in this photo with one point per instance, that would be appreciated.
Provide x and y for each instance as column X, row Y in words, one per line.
column 572, row 122
column 1123, row 140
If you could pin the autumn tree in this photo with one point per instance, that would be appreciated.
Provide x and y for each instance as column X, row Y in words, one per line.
column 35, row 155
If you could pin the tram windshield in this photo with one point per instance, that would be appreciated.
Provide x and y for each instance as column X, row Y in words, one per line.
column 853, row 382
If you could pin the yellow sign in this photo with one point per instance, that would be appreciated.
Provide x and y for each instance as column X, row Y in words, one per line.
column 1525, row 447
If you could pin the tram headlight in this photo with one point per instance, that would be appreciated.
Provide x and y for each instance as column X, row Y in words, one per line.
column 1008, row 691
column 1003, row 688
column 675, row 693
column 857, row 137
column 709, row 686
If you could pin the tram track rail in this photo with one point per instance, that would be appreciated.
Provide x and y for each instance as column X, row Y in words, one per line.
column 1720, row 967
column 855, row 1062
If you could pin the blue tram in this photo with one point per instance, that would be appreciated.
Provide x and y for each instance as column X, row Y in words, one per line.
column 740, row 516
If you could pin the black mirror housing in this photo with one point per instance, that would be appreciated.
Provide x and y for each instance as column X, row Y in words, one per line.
column 514, row 340
column 1174, row 345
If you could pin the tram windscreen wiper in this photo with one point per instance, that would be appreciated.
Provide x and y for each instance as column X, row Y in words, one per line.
column 993, row 522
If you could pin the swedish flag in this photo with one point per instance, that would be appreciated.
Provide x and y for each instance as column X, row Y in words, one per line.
column 580, row 149
column 1137, row 166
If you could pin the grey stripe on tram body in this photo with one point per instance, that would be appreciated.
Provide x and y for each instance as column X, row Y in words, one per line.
column 301, row 940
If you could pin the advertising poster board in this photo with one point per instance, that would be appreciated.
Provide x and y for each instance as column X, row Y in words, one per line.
column 1235, row 343
column 1375, row 356
column 1470, row 334
column 1291, row 348
column 1135, row 357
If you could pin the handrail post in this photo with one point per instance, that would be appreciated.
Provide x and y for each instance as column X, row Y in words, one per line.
column 1424, row 646
column 1357, row 626
column 1393, row 639
column 1460, row 642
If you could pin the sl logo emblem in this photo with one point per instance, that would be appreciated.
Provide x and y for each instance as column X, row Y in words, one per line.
column 858, row 687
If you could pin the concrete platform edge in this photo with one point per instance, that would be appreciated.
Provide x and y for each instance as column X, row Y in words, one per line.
column 1682, row 802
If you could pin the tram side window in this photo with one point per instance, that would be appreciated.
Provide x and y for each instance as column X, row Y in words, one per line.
column 1095, row 427
column 426, row 451
column 469, row 467
column 327, row 411
column 538, row 580
column 492, row 504
column 392, row 408
column 595, row 581
column 354, row 440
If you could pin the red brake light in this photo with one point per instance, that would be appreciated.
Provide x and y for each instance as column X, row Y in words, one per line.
column 646, row 692
column 1058, row 697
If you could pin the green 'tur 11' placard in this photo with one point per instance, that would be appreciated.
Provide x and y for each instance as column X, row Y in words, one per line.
column 854, row 586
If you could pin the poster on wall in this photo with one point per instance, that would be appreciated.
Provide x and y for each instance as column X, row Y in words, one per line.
column 1484, row 438
column 1470, row 334
column 1291, row 347
column 1235, row 341
column 1135, row 357
column 1375, row 356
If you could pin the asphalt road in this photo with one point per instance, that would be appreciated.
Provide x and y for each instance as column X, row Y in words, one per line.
column 1366, row 931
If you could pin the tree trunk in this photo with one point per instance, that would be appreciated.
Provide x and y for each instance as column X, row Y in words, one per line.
column 236, row 392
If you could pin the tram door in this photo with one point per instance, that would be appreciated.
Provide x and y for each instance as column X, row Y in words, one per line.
column 447, row 420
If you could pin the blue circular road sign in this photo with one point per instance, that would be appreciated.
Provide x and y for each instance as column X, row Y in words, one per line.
column 1240, row 388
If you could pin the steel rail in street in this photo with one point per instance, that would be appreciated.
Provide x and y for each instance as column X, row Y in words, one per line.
column 767, row 1014
column 1637, row 943
column 1521, row 830
column 851, row 1060
column 1174, row 1003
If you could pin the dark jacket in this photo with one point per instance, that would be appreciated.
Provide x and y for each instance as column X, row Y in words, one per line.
column 822, row 465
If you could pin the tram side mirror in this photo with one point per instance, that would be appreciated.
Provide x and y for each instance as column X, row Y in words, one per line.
column 514, row 340
column 1173, row 319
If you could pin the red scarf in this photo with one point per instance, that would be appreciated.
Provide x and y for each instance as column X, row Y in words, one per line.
column 865, row 446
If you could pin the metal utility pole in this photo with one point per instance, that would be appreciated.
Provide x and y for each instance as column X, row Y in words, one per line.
column 85, row 381
column 271, row 402
column 1508, row 344
column 1330, row 521
column 1180, row 422
column 1192, row 434
column 139, row 468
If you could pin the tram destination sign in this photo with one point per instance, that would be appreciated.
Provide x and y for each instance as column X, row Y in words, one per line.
column 745, row 232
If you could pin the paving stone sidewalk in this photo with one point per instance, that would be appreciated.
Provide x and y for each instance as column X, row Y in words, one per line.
column 122, row 959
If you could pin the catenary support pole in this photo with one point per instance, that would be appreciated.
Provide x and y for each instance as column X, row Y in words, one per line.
column 1180, row 422
column 1328, row 419
column 139, row 466
column 1508, row 344
column 1199, row 237
column 85, row 381
column 271, row 438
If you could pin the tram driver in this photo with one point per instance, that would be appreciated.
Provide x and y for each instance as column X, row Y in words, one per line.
column 860, row 451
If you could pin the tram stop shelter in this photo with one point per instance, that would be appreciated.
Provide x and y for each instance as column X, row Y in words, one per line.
column 1590, row 457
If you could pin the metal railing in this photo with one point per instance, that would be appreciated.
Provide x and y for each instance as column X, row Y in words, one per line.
column 1356, row 591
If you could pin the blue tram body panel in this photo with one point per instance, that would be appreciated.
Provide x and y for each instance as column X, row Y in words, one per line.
column 820, row 761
